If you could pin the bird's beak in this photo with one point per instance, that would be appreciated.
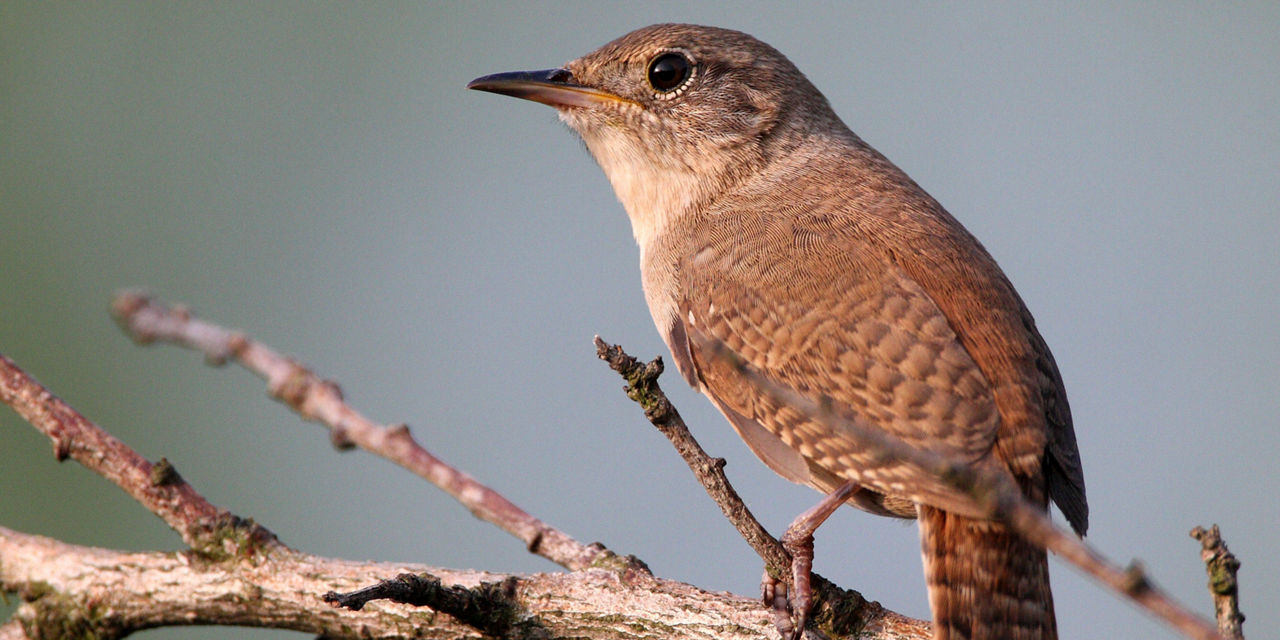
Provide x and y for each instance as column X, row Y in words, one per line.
column 555, row 87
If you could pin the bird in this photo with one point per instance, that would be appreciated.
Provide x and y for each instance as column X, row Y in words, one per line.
column 767, row 227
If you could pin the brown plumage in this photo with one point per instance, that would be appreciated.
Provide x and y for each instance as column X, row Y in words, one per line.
column 768, row 226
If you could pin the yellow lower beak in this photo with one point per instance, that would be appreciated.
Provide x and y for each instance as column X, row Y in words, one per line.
column 553, row 87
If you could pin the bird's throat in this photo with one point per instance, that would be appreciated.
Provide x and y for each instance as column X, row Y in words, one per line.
column 653, row 191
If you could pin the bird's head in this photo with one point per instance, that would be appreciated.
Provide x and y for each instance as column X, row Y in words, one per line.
column 674, row 113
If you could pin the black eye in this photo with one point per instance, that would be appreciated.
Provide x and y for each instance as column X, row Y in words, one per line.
column 668, row 71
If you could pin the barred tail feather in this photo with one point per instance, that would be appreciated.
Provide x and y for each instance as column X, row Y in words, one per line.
column 985, row 581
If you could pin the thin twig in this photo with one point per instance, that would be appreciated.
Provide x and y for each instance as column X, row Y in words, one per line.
column 156, row 486
column 321, row 401
column 643, row 388
column 994, row 494
column 1222, row 566
column 836, row 609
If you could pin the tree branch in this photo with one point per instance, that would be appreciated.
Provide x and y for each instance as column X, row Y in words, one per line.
column 321, row 401
column 643, row 388
column 68, row 590
column 158, row 487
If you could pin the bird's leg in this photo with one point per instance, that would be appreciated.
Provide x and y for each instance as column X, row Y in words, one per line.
column 791, row 612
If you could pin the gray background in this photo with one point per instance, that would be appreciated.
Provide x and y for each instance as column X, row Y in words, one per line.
column 317, row 175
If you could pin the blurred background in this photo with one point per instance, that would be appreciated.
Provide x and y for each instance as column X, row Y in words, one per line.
column 317, row 175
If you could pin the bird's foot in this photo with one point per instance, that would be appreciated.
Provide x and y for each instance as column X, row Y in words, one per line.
column 791, row 603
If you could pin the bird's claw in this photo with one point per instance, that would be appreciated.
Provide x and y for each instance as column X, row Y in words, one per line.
column 776, row 596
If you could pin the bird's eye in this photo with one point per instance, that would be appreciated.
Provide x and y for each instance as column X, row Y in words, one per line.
column 669, row 72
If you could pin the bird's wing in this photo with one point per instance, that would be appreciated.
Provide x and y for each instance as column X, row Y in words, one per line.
column 864, row 337
column 1064, row 472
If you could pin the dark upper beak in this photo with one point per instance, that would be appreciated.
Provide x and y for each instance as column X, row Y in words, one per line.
column 555, row 87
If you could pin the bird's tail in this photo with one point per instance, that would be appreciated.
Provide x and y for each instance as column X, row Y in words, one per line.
column 985, row 581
